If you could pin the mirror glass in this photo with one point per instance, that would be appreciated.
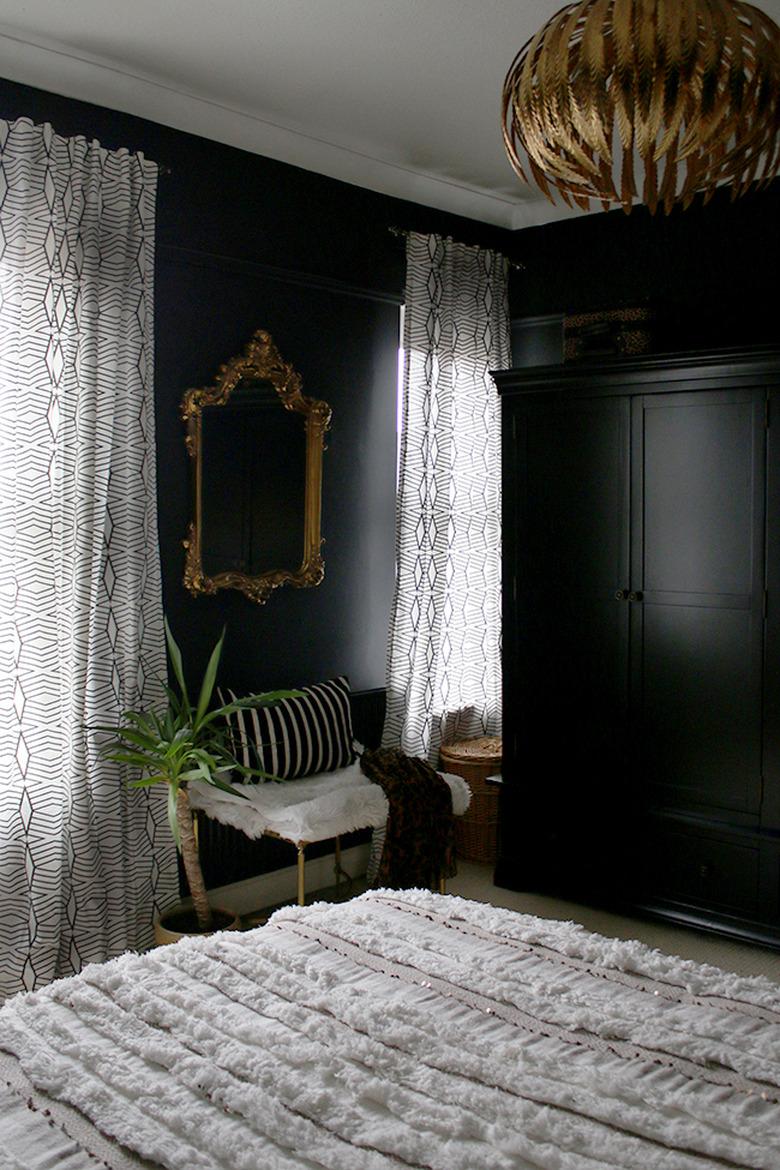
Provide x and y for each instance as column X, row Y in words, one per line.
column 254, row 479
column 256, row 442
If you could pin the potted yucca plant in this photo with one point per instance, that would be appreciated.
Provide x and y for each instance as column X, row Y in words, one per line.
column 184, row 742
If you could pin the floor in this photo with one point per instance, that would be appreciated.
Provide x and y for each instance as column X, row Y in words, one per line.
column 475, row 881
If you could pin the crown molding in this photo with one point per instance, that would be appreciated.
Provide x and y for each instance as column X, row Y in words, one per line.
column 76, row 75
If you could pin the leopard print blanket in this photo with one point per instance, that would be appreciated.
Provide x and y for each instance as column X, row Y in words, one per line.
column 419, row 840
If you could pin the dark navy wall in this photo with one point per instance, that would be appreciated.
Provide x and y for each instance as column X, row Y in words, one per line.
column 709, row 273
column 246, row 242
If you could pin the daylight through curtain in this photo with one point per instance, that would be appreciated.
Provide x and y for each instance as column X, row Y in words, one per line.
column 444, row 670
column 83, row 860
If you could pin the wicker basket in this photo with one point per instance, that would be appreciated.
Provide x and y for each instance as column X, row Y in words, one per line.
column 475, row 760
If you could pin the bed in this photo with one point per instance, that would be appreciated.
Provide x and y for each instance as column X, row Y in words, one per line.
column 400, row 1029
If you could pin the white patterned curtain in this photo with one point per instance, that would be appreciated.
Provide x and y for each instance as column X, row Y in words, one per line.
column 444, row 668
column 83, row 860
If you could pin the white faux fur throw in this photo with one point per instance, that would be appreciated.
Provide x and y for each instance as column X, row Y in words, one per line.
column 410, row 1030
column 314, row 808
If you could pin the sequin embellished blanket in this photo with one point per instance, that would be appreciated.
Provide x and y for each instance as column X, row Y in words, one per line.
column 410, row 1030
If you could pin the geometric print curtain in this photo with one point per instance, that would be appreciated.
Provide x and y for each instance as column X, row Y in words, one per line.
column 84, row 861
column 444, row 669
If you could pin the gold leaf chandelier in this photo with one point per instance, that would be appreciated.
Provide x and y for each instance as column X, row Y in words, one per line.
column 658, row 100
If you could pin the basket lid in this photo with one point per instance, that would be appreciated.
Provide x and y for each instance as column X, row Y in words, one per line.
column 483, row 749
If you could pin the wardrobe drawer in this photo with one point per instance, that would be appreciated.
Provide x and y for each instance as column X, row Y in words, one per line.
column 703, row 869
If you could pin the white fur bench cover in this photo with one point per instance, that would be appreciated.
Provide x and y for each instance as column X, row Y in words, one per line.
column 407, row 1029
column 314, row 808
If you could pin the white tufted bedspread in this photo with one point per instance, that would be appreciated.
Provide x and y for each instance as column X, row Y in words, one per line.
column 411, row 1030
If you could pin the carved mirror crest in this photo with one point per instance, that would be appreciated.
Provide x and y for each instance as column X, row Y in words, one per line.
column 256, row 442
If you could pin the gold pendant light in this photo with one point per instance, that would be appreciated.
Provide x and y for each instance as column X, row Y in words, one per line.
column 657, row 100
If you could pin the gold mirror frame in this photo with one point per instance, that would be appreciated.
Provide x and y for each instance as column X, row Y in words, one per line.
column 260, row 361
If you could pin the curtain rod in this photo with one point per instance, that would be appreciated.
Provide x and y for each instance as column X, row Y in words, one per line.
column 404, row 233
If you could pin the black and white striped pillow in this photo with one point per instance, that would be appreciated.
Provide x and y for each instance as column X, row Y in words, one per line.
column 297, row 737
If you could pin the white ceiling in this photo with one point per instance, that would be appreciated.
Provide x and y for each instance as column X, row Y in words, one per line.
column 401, row 96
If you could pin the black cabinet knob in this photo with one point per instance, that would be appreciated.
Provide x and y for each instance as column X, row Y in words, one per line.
column 621, row 595
column 635, row 595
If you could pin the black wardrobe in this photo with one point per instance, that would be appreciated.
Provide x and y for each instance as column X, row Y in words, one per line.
column 641, row 520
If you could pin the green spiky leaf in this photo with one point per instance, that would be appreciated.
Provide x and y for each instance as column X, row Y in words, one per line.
column 177, row 744
column 264, row 700
column 174, row 653
column 145, row 782
column 217, row 783
column 209, row 678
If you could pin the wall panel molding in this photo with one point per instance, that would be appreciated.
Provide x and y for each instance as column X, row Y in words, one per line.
column 195, row 257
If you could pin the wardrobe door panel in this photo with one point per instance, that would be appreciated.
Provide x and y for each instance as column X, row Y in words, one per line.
column 770, row 809
column 567, row 690
column 699, row 482
column 701, row 731
column 576, row 474
column 697, row 553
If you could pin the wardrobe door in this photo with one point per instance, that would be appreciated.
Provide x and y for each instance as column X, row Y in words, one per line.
column 565, row 521
column 771, row 803
column 698, row 560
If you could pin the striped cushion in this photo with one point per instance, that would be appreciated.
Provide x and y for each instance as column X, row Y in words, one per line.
column 297, row 737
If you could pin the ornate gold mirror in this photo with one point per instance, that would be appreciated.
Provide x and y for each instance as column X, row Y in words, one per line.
column 256, row 442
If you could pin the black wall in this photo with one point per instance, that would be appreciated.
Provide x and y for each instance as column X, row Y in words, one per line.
column 245, row 242
column 709, row 273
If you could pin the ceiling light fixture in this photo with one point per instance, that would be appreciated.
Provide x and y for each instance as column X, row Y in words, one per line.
column 658, row 100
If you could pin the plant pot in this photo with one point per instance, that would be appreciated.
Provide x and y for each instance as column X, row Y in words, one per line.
column 182, row 922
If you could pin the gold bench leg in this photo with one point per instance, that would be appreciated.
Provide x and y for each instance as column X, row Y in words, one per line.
column 301, row 875
column 340, row 872
column 442, row 885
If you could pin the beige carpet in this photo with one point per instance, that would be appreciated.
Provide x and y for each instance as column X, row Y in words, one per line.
column 476, row 882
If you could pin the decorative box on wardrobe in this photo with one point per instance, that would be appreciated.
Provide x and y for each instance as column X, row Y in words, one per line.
column 641, row 533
